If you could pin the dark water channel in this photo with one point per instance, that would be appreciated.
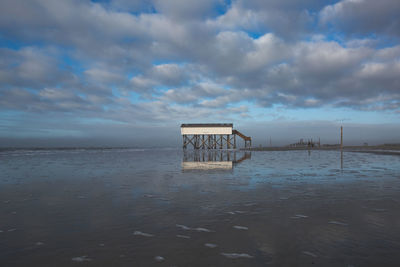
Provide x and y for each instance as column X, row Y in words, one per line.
column 129, row 207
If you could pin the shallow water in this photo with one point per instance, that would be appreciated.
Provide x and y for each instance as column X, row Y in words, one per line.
column 130, row 207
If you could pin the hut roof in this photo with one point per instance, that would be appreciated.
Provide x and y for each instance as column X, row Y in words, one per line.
column 207, row 125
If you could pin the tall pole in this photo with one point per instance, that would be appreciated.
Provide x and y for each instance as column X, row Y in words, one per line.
column 341, row 137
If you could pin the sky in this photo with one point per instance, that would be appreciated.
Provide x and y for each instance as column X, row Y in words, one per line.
column 128, row 72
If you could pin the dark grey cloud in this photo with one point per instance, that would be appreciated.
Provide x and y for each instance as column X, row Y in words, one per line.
column 104, row 76
column 132, row 6
column 187, row 9
column 32, row 67
column 198, row 94
column 363, row 17
column 46, row 100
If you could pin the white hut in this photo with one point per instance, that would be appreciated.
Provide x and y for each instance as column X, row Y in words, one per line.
column 211, row 136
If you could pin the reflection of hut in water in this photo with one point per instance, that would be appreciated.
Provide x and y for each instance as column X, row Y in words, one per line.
column 212, row 159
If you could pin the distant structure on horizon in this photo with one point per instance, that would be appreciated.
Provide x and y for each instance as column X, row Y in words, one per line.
column 308, row 143
column 212, row 136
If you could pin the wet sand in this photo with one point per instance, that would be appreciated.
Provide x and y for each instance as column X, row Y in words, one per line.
column 140, row 208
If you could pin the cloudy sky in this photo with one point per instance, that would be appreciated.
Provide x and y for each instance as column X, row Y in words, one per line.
column 129, row 72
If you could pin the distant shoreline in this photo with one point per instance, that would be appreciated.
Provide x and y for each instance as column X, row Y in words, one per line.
column 379, row 149
column 386, row 149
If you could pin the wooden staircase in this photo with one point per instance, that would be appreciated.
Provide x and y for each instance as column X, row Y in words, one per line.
column 247, row 139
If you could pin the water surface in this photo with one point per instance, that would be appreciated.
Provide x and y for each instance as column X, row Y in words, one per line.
column 163, row 207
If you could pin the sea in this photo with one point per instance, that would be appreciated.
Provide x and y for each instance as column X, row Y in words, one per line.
column 169, row 207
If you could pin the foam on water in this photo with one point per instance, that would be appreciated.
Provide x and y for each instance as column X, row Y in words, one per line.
column 183, row 236
column 239, row 211
column 309, row 254
column 142, row 234
column 299, row 216
column 183, row 227
column 187, row 228
column 81, row 258
column 240, row 227
column 379, row 210
column 236, row 212
column 200, row 229
column 159, row 258
column 236, row 255
column 338, row 223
